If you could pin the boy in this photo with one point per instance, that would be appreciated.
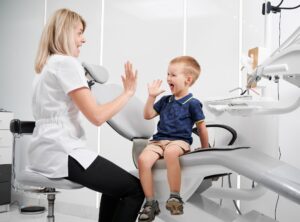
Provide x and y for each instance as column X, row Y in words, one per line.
column 178, row 114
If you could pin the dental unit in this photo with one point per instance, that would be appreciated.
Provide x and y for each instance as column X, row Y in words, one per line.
column 199, row 167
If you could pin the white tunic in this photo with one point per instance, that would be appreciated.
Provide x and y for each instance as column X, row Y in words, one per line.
column 58, row 132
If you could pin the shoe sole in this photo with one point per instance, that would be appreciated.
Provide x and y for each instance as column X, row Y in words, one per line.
column 156, row 212
column 174, row 207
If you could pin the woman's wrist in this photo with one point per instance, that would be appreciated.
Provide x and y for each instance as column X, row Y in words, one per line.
column 128, row 94
column 151, row 97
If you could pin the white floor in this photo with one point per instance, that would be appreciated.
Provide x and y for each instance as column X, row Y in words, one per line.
column 14, row 216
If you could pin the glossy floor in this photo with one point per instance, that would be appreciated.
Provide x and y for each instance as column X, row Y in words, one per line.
column 14, row 216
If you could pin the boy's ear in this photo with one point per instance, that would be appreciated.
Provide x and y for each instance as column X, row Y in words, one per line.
column 189, row 79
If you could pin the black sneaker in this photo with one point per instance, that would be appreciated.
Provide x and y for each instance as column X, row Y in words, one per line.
column 175, row 205
column 150, row 210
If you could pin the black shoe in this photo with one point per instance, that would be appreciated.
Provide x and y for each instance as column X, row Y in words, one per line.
column 150, row 210
column 175, row 205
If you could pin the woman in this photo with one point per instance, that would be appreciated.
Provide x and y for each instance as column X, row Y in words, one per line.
column 58, row 148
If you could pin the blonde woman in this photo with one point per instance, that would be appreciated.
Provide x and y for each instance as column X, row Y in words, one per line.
column 60, row 94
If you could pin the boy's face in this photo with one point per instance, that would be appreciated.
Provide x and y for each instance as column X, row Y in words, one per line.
column 79, row 39
column 178, row 81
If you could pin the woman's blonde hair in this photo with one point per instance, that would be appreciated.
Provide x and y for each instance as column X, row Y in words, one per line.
column 191, row 66
column 57, row 36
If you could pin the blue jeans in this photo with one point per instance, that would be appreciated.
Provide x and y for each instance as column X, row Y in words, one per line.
column 122, row 193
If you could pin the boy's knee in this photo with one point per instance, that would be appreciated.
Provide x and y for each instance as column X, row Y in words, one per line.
column 173, row 152
column 141, row 159
column 143, row 162
column 147, row 159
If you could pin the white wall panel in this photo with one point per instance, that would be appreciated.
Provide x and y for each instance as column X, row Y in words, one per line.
column 149, row 34
column 213, row 39
column 19, row 41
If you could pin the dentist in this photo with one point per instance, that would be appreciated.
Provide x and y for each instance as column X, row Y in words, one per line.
column 60, row 93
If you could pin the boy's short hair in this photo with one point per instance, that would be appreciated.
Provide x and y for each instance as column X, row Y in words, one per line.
column 192, row 67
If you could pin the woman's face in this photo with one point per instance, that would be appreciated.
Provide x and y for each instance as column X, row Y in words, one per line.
column 79, row 39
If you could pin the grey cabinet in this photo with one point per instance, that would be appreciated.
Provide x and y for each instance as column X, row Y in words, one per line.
column 5, row 160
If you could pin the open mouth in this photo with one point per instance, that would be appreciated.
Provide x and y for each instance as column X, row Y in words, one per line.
column 171, row 86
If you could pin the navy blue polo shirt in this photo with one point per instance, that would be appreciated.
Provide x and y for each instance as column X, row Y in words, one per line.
column 177, row 117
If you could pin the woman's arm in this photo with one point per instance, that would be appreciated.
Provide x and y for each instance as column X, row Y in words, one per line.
column 100, row 113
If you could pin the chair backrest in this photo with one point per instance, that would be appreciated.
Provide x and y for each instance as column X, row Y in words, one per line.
column 129, row 122
column 22, row 131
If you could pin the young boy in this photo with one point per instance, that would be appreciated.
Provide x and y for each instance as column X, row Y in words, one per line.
column 178, row 114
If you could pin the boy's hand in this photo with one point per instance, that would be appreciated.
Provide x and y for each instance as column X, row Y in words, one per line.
column 154, row 88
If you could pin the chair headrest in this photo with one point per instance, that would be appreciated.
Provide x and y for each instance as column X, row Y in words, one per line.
column 21, row 127
column 98, row 73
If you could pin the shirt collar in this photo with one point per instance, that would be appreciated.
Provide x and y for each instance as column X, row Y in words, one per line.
column 183, row 100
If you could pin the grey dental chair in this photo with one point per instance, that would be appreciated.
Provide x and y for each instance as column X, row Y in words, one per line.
column 200, row 166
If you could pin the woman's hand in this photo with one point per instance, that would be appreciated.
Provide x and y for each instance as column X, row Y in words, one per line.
column 154, row 88
column 129, row 80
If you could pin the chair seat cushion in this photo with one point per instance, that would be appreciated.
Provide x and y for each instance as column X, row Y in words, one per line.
column 34, row 179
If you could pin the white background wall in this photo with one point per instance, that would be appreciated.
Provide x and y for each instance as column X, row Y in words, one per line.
column 149, row 33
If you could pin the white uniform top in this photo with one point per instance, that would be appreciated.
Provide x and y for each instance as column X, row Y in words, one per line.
column 58, row 131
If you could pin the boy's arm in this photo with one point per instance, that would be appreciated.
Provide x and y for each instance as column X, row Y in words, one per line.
column 154, row 90
column 203, row 134
column 149, row 111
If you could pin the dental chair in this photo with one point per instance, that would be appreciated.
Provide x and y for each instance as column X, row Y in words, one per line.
column 201, row 166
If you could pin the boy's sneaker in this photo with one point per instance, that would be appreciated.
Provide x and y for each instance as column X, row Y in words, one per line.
column 150, row 210
column 175, row 205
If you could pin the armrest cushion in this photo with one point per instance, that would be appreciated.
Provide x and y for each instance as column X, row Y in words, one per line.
column 20, row 127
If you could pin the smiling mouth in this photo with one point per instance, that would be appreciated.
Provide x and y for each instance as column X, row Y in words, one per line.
column 171, row 86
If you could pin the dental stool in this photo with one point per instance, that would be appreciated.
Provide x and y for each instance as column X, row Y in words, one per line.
column 26, row 180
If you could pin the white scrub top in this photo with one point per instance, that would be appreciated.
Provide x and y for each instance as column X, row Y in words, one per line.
column 58, row 132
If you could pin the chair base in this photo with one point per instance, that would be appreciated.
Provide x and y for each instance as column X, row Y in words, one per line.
column 51, row 199
column 32, row 210
column 4, row 208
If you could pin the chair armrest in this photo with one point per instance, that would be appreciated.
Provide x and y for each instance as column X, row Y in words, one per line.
column 19, row 127
column 228, row 128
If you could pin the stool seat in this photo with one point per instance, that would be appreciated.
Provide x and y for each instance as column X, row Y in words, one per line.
column 29, row 178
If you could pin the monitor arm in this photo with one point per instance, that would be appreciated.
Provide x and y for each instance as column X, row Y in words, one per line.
column 283, row 62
